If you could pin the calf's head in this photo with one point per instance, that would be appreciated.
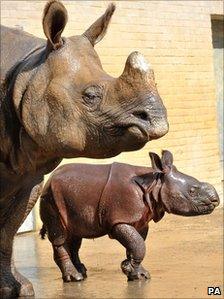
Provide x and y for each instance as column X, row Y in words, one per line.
column 182, row 194
column 175, row 192
column 73, row 108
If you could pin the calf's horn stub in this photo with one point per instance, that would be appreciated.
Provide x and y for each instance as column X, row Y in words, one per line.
column 136, row 65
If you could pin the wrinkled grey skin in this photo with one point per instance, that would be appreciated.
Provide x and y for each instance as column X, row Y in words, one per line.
column 89, row 201
column 57, row 101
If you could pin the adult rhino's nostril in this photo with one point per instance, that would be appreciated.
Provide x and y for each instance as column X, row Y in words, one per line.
column 141, row 115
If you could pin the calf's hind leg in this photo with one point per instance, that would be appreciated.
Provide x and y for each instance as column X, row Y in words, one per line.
column 135, row 246
column 63, row 260
column 58, row 238
column 74, row 249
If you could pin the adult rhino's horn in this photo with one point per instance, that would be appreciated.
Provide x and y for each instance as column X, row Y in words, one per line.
column 136, row 66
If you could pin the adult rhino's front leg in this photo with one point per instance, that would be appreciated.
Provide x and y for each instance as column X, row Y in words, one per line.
column 135, row 248
column 12, row 283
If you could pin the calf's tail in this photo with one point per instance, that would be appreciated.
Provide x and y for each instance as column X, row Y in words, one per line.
column 43, row 232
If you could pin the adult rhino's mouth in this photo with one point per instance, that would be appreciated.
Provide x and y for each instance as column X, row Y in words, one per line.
column 134, row 129
column 144, row 131
column 147, row 131
column 133, row 133
column 138, row 132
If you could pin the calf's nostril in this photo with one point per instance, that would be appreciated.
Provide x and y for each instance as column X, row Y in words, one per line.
column 141, row 115
column 215, row 203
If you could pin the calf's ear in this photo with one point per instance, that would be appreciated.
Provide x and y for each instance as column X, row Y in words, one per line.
column 54, row 21
column 99, row 28
column 167, row 160
column 156, row 162
column 144, row 181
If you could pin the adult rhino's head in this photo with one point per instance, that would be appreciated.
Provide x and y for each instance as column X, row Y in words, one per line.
column 71, row 107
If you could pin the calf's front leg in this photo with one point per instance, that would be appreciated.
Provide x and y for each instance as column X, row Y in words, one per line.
column 135, row 246
column 143, row 232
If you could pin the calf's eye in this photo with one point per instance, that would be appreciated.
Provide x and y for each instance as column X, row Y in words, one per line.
column 193, row 190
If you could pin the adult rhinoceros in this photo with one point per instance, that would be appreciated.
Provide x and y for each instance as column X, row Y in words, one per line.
column 56, row 102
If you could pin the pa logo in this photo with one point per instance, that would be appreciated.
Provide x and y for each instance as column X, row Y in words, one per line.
column 214, row 291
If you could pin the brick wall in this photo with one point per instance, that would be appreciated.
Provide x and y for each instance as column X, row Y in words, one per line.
column 176, row 38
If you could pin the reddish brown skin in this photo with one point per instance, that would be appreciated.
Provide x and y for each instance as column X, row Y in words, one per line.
column 89, row 201
column 56, row 102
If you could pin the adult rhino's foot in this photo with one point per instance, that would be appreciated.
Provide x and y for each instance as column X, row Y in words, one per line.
column 134, row 272
column 69, row 272
column 26, row 288
column 9, row 287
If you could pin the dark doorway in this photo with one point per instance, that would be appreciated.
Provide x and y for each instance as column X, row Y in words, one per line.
column 218, row 53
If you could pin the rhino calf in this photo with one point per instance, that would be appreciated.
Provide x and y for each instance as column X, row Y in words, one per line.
column 89, row 201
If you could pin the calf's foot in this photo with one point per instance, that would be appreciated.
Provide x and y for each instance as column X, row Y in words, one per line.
column 69, row 272
column 135, row 247
column 81, row 269
column 134, row 272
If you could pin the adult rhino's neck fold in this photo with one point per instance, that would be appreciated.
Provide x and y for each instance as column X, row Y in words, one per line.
column 23, row 73
column 13, row 88
column 19, row 153
column 27, row 158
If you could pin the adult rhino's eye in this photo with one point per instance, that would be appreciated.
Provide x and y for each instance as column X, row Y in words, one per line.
column 92, row 95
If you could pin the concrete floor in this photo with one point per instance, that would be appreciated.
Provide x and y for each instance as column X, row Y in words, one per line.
column 184, row 257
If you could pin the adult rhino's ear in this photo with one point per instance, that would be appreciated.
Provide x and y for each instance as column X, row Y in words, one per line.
column 54, row 21
column 156, row 162
column 167, row 160
column 98, row 29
